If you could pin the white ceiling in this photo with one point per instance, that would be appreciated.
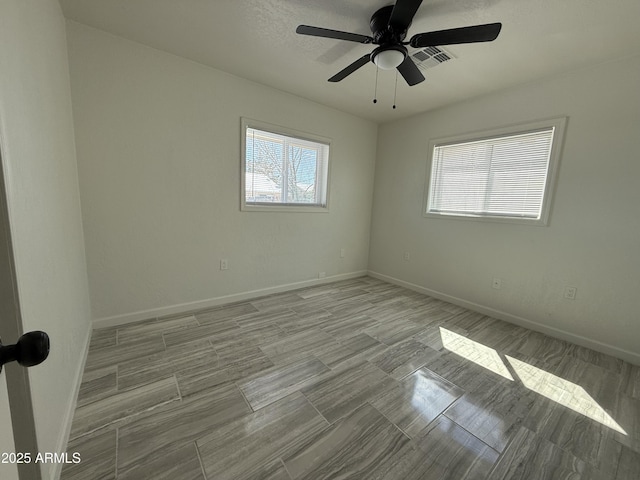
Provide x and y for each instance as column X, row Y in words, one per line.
column 256, row 40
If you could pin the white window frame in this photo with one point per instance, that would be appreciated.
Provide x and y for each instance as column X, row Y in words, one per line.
column 558, row 124
column 323, row 180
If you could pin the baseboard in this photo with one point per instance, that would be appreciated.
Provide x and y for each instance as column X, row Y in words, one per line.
column 626, row 355
column 216, row 301
column 56, row 469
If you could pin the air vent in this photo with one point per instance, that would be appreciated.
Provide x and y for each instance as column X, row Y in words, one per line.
column 431, row 57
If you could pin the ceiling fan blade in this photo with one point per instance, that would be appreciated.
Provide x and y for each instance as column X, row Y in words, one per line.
column 474, row 34
column 403, row 13
column 342, row 74
column 337, row 34
column 410, row 72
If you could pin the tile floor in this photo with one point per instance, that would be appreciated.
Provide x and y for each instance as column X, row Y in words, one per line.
column 352, row 380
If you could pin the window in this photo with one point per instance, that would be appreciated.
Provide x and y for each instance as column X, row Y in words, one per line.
column 503, row 175
column 283, row 169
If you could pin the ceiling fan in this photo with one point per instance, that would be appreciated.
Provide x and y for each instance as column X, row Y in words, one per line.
column 389, row 26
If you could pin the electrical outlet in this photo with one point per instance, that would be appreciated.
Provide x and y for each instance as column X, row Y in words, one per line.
column 570, row 293
column 497, row 283
column 224, row 264
column 406, row 256
column 343, row 252
column 322, row 274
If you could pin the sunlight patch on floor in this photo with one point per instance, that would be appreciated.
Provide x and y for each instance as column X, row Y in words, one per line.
column 551, row 386
column 476, row 352
column 562, row 391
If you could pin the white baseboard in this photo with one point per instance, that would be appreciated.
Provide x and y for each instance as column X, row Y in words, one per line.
column 626, row 355
column 133, row 317
column 56, row 469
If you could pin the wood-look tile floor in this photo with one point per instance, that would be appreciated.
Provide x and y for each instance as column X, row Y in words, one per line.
column 352, row 380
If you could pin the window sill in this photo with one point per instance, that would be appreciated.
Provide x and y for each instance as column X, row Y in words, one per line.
column 533, row 222
column 284, row 208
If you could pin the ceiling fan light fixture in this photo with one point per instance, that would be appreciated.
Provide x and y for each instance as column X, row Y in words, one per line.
column 389, row 59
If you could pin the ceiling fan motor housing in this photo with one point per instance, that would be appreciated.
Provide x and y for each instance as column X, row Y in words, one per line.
column 383, row 32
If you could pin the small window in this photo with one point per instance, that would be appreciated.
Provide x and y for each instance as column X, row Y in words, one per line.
column 503, row 175
column 283, row 169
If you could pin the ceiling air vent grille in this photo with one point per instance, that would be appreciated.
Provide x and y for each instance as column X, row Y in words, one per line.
column 431, row 57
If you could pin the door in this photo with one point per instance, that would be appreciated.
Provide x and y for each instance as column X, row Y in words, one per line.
column 7, row 444
column 17, row 427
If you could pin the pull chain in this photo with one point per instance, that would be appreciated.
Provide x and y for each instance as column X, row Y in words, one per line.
column 395, row 90
column 375, row 92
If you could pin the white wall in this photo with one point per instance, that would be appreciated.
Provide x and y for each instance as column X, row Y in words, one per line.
column 592, row 241
column 38, row 155
column 158, row 144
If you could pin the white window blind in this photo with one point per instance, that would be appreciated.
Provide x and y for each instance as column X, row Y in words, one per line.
column 283, row 170
column 502, row 176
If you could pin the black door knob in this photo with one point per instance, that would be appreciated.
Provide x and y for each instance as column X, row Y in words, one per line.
column 32, row 348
